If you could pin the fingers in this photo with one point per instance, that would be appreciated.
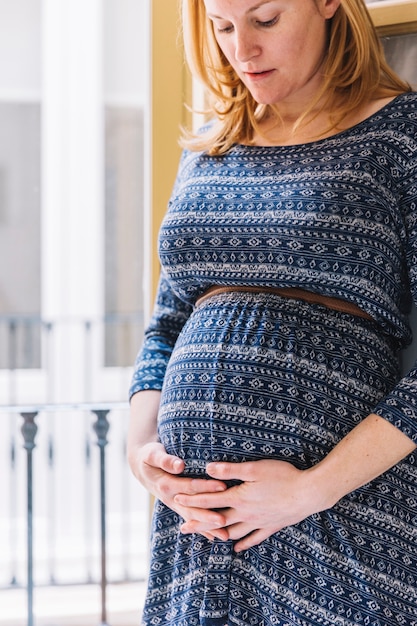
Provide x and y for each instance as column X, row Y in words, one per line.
column 251, row 540
column 244, row 535
column 181, row 489
column 193, row 526
column 188, row 487
column 202, row 485
column 233, row 471
column 200, row 520
column 204, row 499
column 157, row 457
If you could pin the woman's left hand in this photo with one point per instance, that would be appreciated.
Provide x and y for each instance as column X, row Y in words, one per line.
column 272, row 495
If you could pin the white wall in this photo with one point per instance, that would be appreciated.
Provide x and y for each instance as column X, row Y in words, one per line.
column 20, row 49
column 126, row 44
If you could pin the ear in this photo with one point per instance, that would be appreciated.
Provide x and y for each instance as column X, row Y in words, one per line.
column 328, row 7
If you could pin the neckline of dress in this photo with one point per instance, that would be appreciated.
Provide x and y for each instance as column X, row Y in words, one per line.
column 352, row 129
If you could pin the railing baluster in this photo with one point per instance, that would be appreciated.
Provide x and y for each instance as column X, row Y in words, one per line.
column 88, row 517
column 12, row 365
column 29, row 430
column 13, row 506
column 51, row 502
column 101, row 428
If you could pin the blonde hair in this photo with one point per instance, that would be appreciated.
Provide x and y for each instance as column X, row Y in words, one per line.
column 355, row 72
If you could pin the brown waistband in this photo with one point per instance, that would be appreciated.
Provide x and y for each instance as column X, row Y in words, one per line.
column 336, row 304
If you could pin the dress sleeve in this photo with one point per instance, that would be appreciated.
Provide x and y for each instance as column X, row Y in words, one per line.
column 169, row 316
column 400, row 406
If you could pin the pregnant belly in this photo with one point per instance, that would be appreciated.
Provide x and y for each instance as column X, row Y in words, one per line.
column 254, row 377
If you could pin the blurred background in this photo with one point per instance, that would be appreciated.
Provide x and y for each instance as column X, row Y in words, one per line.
column 74, row 92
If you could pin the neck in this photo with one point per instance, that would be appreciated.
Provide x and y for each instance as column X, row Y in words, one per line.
column 290, row 128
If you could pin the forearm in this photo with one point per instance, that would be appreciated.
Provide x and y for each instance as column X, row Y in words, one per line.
column 144, row 408
column 369, row 450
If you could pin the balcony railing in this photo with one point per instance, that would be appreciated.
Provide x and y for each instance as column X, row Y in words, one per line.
column 87, row 489
column 29, row 341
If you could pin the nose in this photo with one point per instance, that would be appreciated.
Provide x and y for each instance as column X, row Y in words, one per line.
column 246, row 46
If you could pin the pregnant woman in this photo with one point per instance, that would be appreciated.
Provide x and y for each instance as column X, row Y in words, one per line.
column 268, row 414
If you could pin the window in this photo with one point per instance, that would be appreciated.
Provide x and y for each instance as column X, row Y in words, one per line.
column 125, row 87
column 20, row 170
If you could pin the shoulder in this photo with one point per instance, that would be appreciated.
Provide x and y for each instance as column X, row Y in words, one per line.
column 395, row 125
column 403, row 106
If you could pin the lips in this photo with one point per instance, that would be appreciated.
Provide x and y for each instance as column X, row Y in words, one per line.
column 258, row 75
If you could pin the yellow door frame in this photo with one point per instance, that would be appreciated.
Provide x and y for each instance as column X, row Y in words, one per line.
column 170, row 89
column 394, row 17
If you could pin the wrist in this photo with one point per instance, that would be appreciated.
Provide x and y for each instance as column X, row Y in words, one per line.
column 322, row 488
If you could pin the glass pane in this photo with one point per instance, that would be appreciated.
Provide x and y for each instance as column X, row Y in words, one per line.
column 124, row 231
column 125, row 63
column 20, row 157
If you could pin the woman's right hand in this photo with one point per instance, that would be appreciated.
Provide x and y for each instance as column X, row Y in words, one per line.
column 160, row 472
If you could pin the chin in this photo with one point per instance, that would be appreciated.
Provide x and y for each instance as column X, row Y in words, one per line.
column 263, row 98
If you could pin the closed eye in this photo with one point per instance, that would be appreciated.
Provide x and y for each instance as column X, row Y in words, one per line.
column 225, row 29
column 228, row 28
column 268, row 23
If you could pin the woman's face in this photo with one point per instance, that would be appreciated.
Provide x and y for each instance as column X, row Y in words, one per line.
column 276, row 47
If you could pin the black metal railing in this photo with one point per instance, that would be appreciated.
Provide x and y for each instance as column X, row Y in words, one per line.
column 29, row 430
column 27, row 339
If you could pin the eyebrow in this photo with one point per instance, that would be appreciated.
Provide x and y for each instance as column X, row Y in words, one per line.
column 251, row 10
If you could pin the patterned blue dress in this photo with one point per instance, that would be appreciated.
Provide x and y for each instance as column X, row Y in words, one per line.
column 248, row 376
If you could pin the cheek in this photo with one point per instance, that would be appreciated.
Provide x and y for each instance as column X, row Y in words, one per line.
column 315, row 39
column 304, row 50
column 227, row 49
